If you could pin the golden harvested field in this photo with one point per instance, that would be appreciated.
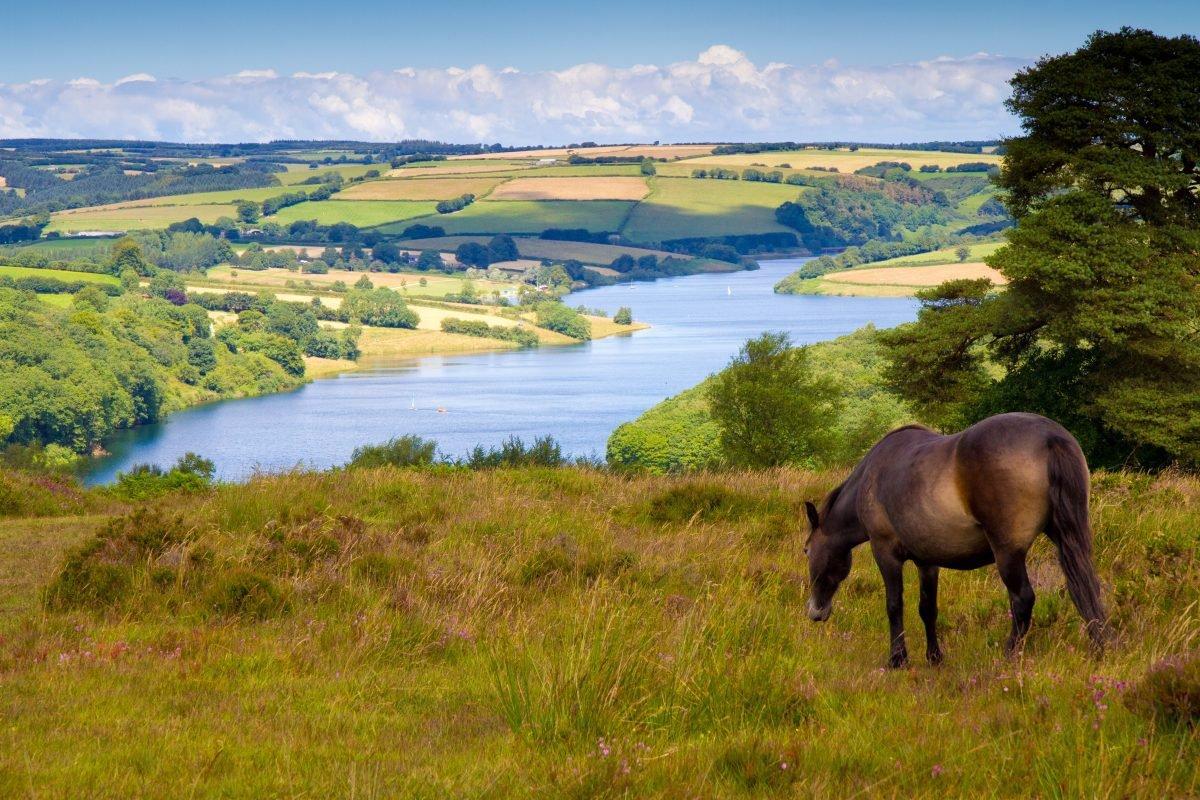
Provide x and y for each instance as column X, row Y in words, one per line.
column 457, row 168
column 124, row 219
column 916, row 276
column 403, row 343
column 845, row 160
column 654, row 151
column 431, row 317
column 599, row 188
column 419, row 189
column 271, row 278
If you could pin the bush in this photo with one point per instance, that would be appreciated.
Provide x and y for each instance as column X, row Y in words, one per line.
column 1170, row 689
column 191, row 473
column 544, row 452
column 624, row 316
column 513, row 333
column 561, row 319
column 403, row 451
column 243, row 593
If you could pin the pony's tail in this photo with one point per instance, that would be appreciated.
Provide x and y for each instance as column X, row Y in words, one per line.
column 1071, row 532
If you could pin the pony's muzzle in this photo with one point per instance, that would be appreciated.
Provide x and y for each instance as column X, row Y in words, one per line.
column 819, row 613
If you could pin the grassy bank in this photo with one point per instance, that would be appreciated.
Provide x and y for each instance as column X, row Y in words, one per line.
column 558, row 633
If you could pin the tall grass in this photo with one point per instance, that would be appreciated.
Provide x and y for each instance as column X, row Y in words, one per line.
column 567, row 632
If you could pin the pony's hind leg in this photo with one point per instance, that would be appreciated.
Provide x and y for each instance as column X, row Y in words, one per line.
column 929, row 611
column 892, row 569
column 1011, row 565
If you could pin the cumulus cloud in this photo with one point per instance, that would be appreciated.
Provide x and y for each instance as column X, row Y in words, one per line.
column 721, row 95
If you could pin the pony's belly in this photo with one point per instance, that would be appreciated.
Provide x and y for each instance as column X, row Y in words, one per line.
column 962, row 546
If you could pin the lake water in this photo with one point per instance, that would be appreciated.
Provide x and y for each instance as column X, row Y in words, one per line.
column 578, row 394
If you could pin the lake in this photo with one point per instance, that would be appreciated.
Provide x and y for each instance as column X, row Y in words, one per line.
column 578, row 393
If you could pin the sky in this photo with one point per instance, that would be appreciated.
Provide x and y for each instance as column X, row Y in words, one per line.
column 524, row 72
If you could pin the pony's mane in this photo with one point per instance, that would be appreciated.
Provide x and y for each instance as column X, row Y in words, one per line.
column 830, row 499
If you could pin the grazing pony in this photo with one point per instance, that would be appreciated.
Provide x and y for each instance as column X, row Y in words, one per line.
column 963, row 501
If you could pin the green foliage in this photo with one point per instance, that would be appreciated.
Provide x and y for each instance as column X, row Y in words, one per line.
column 192, row 473
column 478, row 327
column 624, row 316
column 430, row 260
column 380, row 307
column 680, row 434
column 557, row 317
column 403, row 451
column 770, row 407
column 513, row 452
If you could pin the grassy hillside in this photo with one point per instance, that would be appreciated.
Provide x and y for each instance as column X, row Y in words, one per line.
column 678, row 208
column 561, row 633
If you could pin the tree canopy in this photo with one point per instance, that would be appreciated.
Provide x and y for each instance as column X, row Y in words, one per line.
column 1098, row 326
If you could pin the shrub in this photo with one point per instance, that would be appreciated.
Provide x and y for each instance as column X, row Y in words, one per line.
column 247, row 594
column 544, row 452
column 624, row 316
column 192, row 473
column 403, row 451
column 561, row 319
column 1170, row 689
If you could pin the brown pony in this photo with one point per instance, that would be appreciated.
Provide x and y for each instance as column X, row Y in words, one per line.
column 963, row 501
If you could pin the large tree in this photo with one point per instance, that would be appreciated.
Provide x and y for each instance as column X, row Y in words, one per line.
column 1099, row 325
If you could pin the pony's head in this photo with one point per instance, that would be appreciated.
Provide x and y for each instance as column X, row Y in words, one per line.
column 829, row 558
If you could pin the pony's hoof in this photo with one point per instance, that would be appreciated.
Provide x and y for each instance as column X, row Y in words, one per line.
column 898, row 660
column 934, row 657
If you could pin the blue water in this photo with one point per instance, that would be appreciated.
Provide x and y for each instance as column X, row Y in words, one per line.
column 578, row 394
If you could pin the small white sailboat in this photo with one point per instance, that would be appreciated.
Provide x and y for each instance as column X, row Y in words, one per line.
column 413, row 407
column 729, row 290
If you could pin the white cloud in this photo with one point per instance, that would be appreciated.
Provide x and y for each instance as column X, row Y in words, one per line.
column 719, row 96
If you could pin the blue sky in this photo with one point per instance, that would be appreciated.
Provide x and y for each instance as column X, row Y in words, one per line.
column 527, row 72
column 107, row 40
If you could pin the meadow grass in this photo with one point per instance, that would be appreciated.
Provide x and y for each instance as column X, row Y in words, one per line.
column 681, row 207
column 561, row 633
column 58, row 274
column 298, row 173
column 532, row 216
column 363, row 213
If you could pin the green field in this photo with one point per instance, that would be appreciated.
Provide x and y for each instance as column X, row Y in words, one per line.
column 363, row 213
column 297, row 173
column 58, row 274
column 562, row 633
column 587, row 252
column 681, row 207
column 529, row 216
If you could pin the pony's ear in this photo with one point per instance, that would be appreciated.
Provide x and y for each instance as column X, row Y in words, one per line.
column 813, row 518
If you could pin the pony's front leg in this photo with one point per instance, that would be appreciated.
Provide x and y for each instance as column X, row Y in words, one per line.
column 892, row 569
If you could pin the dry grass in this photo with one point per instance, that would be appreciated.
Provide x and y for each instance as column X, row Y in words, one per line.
column 845, row 160
column 401, row 343
column 598, row 188
column 653, row 151
column 419, row 189
column 131, row 218
column 456, row 168
column 917, row 276
column 435, row 285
